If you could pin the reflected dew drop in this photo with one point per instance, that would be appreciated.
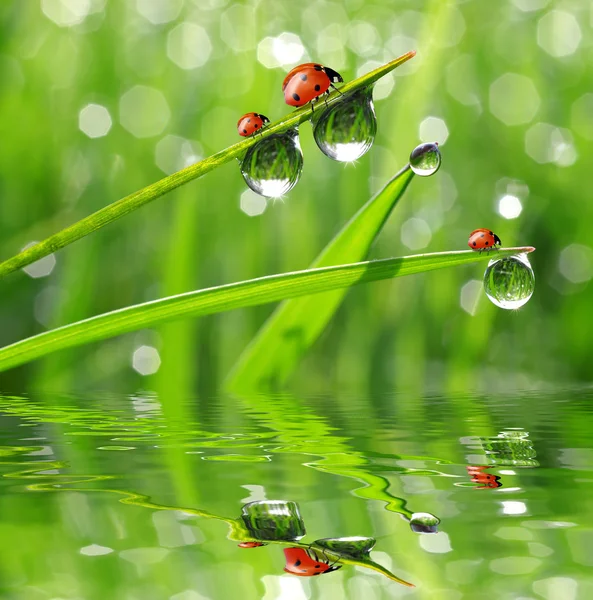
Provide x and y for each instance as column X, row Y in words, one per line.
column 424, row 523
column 273, row 520
column 425, row 159
column 273, row 165
column 346, row 130
column 509, row 282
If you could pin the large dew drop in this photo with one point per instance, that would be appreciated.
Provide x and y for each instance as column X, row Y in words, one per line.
column 273, row 520
column 425, row 159
column 272, row 166
column 509, row 282
column 347, row 129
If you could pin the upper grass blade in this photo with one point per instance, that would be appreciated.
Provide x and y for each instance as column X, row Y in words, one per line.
column 122, row 207
column 228, row 297
column 295, row 325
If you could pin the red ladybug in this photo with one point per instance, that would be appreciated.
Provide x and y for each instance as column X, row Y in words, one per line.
column 483, row 239
column 250, row 123
column 478, row 475
column 305, row 563
column 251, row 544
column 307, row 82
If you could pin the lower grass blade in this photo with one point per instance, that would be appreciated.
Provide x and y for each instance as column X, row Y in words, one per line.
column 229, row 297
column 295, row 325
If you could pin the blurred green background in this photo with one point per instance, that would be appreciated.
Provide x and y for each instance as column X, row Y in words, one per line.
column 99, row 98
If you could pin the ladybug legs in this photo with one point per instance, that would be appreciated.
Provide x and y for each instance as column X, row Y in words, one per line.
column 327, row 560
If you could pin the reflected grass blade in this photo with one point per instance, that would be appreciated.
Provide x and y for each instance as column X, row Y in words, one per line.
column 130, row 203
column 229, row 297
column 278, row 347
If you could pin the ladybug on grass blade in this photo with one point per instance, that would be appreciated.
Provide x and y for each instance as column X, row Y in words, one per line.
column 250, row 544
column 483, row 239
column 306, row 563
column 250, row 123
column 307, row 82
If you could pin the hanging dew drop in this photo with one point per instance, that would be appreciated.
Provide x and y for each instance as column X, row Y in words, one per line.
column 273, row 165
column 509, row 282
column 425, row 159
column 346, row 130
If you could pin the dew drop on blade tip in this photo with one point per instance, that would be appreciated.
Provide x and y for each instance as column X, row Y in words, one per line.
column 509, row 282
column 425, row 159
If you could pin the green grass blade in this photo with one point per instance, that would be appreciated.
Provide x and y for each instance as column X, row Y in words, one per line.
column 130, row 203
column 229, row 297
column 276, row 350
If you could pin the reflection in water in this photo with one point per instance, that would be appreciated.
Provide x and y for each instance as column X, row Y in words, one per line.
column 350, row 469
column 280, row 521
column 424, row 523
column 251, row 544
column 354, row 547
column 486, row 480
column 306, row 563
column 276, row 520
column 511, row 447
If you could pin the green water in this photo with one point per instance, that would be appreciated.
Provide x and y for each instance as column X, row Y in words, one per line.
column 114, row 497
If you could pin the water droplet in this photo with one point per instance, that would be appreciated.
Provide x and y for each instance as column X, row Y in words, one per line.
column 349, row 547
column 346, row 130
column 424, row 523
column 273, row 165
column 509, row 282
column 425, row 159
column 273, row 520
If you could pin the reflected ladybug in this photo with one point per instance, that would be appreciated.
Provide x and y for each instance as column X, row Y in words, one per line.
column 250, row 123
column 478, row 475
column 251, row 544
column 483, row 239
column 307, row 82
column 306, row 563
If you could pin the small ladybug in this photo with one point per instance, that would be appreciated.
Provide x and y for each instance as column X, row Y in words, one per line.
column 483, row 239
column 305, row 563
column 478, row 475
column 251, row 544
column 307, row 82
column 250, row 123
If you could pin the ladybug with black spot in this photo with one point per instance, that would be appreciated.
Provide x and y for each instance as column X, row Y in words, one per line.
column 305, row 563
column 307, row 82
column 483, row 239
column 487, row 480
column 251, row 123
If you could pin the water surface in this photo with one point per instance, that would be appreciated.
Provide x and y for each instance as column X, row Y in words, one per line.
column 130, row 497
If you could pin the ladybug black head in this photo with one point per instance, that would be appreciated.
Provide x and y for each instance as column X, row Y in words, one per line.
column 334, row 76
column 497, row 240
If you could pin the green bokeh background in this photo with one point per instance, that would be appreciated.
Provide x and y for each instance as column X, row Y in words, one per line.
column 58, row 56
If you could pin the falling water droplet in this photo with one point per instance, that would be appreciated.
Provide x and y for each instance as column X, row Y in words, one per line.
column 425, row 159
column 272, row 166
column 346, row 130
column 424, row 523
column 509, row 282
